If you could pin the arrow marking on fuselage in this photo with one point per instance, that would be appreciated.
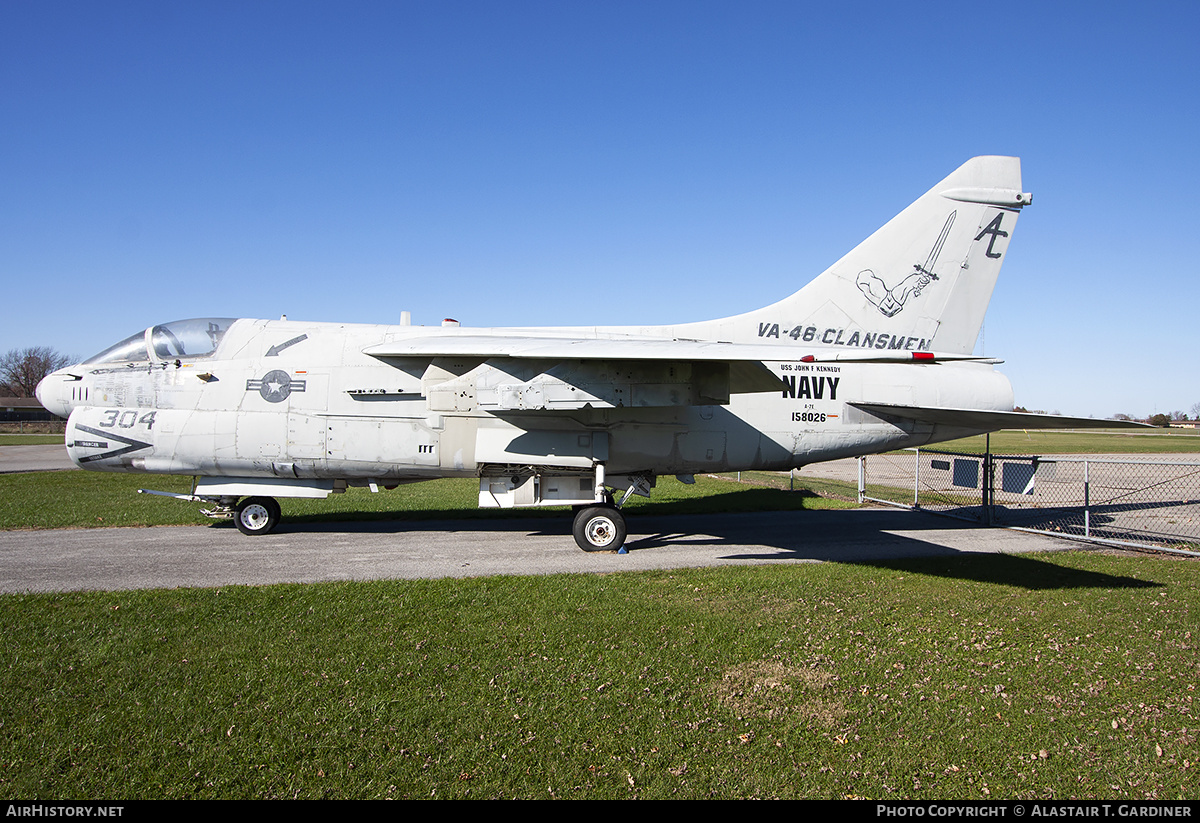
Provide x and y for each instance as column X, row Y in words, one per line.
column 133, row 445
column 275, row 350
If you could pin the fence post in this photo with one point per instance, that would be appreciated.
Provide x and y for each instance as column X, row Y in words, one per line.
column 862, row 477
column 989, row 482
column 1087, row 514
column 917, row 480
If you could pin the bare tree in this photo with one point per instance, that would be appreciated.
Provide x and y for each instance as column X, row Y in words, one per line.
column 22, row 369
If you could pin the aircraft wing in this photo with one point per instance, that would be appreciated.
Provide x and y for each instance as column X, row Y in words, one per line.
column 487, row 346
column 985, row 420
column 719, row 368
column 739, row 368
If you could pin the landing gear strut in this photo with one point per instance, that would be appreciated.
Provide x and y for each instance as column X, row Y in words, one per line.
column 600, row 526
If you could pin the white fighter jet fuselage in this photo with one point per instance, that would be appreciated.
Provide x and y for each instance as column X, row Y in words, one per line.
column 872, row 355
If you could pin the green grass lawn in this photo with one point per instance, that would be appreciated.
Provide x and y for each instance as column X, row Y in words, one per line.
column 31, row 440
column 1126, row 441
column 1054, row 676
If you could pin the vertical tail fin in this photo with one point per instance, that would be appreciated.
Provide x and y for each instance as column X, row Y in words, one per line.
column 922, row 282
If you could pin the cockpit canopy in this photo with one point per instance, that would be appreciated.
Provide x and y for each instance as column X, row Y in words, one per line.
column 181, row 339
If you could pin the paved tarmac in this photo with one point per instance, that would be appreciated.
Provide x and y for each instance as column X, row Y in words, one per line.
column 33, row 458
column 219, row 555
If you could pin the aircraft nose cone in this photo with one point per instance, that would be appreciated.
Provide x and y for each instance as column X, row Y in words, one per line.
column 49, row 393
column 42, row 392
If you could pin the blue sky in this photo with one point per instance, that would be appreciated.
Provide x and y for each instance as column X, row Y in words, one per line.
column 536, row 163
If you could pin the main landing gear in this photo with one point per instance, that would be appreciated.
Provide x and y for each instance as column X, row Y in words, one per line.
column 599, row 528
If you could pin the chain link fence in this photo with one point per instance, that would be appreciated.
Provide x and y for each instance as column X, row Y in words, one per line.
column 1142, row 503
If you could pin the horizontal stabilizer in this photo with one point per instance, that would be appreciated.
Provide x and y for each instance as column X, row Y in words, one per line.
column 989, row 420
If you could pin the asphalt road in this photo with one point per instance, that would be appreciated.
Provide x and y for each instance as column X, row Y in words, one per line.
column 219, row 555
column 33, row 458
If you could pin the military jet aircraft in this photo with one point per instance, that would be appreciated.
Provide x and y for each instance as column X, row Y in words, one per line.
column 874, row 354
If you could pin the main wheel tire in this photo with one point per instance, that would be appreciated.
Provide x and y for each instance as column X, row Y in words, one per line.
column 257, row 515
column 599, row 529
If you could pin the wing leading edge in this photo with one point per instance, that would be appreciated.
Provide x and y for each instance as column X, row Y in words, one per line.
column 486, row 346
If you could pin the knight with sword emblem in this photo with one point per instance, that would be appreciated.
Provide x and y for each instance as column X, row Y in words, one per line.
column 891, row 301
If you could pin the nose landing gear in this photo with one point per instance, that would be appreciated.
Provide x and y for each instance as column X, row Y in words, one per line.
column 256, row 515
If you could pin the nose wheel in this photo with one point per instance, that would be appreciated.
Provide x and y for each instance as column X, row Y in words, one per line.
column 599, row 529
column 257, row 515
